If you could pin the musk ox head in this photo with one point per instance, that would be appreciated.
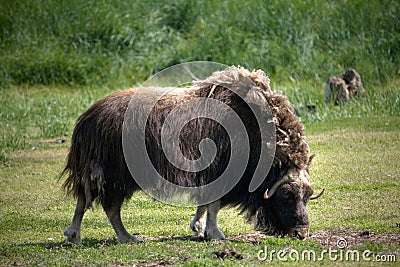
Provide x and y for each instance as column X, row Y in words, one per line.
column 283, row 211
column 280, row 203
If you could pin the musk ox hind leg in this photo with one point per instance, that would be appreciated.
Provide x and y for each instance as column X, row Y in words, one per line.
column 73, row 232
column 212, row 231
column 113, row 212
column 198, row 224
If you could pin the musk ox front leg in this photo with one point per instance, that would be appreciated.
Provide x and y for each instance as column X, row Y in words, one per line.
column 198, row 224
column 114, row 216
column 73, row 232
column 212, row 231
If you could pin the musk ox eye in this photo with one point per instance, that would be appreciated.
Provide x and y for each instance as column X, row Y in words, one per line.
column 308, row 194
column 286, row 193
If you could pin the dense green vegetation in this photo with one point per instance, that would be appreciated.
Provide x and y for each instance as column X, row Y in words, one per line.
column 120, row 43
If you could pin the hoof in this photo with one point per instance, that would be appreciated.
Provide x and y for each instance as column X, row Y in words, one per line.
column 73, row 236
column 198, row 228
column 214, row 233
column 129, row 239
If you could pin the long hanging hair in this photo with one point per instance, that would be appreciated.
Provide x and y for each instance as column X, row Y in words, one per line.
column 96, row 166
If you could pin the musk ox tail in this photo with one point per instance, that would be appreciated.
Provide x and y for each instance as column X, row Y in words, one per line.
column 90, row 183
column 95, row 167
column 85, row 176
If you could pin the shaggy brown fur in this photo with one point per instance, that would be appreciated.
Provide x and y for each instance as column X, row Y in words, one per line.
column 95, row 161
column 96, row 168
column 292, row 149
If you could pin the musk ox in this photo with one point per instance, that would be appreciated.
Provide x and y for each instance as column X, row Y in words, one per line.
column 96, row 169
column 341, row 89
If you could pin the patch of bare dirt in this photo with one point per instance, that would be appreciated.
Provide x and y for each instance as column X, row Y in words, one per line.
column 352, row 238
column 162, row 238
column 50, row 142
column 255, row 238
column 331, row 238
column 328, row 238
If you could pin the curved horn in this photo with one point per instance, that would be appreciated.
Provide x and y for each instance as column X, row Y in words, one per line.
column 317, row 196
column 269, row 193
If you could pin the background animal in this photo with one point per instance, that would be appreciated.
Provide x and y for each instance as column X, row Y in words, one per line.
column 341, row 89
column 96, row 169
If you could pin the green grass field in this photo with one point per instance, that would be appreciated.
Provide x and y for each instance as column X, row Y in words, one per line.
column 357, row 162
column 58, row 57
